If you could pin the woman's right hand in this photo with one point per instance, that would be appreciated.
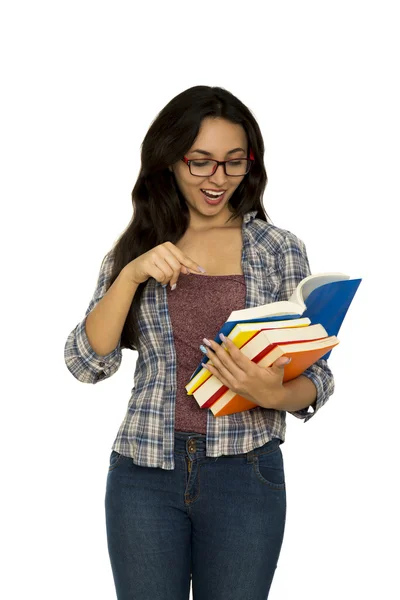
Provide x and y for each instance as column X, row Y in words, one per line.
column 164, row 262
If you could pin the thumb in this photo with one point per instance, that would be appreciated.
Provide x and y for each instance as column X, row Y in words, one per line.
column 281, row 362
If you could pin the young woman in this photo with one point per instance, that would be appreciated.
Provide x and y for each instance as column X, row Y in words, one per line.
column 189, row 495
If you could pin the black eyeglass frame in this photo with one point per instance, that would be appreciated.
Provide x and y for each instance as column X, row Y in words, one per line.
column 221, row 162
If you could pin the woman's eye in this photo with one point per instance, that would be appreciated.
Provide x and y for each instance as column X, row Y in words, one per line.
column 200, row 163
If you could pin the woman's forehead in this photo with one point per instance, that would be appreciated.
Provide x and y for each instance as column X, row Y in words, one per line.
column 219, row 135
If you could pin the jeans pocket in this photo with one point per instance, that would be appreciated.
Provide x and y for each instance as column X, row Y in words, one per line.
column 114, row 459
column 269, row 468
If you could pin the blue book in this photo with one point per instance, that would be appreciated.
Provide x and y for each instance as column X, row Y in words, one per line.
column 329, row 304
column 324, row 298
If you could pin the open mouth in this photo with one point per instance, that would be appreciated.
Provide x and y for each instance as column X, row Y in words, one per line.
column 213, row 197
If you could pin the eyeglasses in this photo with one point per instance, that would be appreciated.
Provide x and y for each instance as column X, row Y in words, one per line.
column 236, row 167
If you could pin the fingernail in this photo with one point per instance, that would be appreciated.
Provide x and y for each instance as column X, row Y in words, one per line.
column 222, row 337
column 164, row 285
column 287, row 361
column 207, row 342
column 173, row 286
column 201, row 269
column 203, row 349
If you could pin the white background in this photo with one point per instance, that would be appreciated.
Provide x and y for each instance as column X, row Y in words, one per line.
column 81, row 83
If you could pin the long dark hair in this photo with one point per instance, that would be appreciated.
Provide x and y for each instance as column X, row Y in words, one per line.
column 160, row 212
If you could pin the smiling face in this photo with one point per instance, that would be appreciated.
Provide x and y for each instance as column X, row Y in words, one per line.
column 217, row 139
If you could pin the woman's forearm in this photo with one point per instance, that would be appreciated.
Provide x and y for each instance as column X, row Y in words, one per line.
column 297, row 394
column 105, row 322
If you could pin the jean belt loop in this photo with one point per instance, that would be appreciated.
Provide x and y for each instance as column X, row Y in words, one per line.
column 250, row 456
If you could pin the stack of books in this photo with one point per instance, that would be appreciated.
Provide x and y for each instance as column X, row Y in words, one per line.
column 303, row 328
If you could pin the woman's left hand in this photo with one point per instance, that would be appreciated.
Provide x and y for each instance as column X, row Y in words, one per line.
column 261, row 385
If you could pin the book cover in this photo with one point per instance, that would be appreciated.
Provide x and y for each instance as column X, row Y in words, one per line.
column 329, row 304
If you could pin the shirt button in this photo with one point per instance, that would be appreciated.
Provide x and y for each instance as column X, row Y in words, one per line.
column 101, row 364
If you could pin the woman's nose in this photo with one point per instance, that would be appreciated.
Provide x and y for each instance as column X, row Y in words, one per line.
column 219, row 176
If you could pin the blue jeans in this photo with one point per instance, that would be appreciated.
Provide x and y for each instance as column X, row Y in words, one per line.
column 218, row 521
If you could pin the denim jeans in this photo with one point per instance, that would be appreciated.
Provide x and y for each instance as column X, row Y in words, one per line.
column 218, row 522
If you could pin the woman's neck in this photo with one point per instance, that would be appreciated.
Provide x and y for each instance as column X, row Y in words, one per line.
column 197, row 225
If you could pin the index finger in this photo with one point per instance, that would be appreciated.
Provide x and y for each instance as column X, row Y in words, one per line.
column 233, row 350
column 186, row 261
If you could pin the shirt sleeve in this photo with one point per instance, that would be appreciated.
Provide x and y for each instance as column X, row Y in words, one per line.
column 81, row 360
column 294, row 267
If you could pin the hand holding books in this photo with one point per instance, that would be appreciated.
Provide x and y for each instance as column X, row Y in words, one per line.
column 262, row 386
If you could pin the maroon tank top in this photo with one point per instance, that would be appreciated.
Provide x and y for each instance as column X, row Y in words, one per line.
column 198, row 307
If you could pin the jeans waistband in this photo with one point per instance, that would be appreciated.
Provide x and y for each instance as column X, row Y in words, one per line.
column 193, row 444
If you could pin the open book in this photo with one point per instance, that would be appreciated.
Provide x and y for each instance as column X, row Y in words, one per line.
column 323, row 298
column 296, row 303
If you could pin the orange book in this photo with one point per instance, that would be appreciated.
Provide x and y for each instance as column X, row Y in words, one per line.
column 303, row 355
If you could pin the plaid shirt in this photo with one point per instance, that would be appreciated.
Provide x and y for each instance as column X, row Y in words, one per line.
column 274, row 261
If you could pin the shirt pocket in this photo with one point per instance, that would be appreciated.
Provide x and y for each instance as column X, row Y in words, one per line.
column 269, row 284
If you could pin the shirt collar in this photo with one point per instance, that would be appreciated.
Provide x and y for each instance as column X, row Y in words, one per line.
column 248, row 217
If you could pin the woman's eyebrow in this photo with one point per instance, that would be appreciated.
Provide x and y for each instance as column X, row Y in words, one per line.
column 210, row 154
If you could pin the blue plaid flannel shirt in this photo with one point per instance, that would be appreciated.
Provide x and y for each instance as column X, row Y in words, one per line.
column 274, row 261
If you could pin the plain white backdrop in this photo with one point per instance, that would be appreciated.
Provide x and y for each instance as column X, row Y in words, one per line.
column 81, row 83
